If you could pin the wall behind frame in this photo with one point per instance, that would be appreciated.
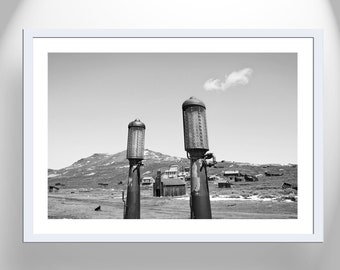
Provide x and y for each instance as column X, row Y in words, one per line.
column 17, row 14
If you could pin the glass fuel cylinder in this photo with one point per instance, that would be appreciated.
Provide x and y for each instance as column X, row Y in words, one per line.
column 195, row 127
column 136, row 138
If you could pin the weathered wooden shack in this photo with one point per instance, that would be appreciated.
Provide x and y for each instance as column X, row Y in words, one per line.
column 147, row 181
column 224, row 184
column 213, row 178
column 169, row 187
column 238, row 179
column 250, row 178
column 273, row 173
column 171, row 173
column 52, row 189
column 169, row 183
column 231, row 175
column 173, row 187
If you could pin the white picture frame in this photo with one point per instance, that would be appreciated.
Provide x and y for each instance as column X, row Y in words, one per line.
column 308, row 227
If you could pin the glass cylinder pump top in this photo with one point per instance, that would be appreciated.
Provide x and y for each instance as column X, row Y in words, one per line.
column 136, row 138
column 195, row 126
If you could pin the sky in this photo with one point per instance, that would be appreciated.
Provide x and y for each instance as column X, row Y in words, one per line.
column 250, row 98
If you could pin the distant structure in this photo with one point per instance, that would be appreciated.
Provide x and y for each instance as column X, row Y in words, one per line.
column 273, row 173
column 52, row 189
column 184, row 174
column 287, row 185
column 238, row 179
column 231, row 175
column 171, row 173
column 103, row 184
column 147, row 181
column 250, row 178
column 168, row 183
column 213, row 178
column 223, row 184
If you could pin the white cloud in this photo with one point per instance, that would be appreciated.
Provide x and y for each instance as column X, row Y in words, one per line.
column 235, row 78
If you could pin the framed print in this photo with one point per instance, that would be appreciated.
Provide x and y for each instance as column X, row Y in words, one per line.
column 172, row 136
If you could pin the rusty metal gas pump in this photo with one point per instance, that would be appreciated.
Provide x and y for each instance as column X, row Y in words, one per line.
column 196, row 146
column 135, row 155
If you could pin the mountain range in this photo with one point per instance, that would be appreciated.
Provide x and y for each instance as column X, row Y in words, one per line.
column 109, row 169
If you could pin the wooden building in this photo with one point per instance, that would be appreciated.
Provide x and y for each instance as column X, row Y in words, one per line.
column 147, row 181
column 52, row 189
column 213, row 178
column 171, row 173
column 173, row 187
column 169, row 187
column 239, row 179
column 231, row 175
column 224, row 184
column 169, row 183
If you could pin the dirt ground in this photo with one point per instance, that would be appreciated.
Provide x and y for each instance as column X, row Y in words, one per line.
column 257, row 200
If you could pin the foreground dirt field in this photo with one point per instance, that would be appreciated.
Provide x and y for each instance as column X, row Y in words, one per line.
column 243, row 201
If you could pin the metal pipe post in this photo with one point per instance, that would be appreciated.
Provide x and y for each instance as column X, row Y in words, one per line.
column 200, row 201
column 132, row 209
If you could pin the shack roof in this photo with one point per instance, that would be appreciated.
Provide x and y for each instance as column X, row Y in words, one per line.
column 222, row 181
column 147, row 177
column 230, row 172
column 173, row 182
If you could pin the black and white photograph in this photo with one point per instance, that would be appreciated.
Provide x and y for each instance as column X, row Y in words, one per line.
column 173, row 135
column 153, row 137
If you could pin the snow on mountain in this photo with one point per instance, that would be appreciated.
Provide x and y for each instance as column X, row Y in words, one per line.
column 105, row 165
column 89, row 172
column 157, row 156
